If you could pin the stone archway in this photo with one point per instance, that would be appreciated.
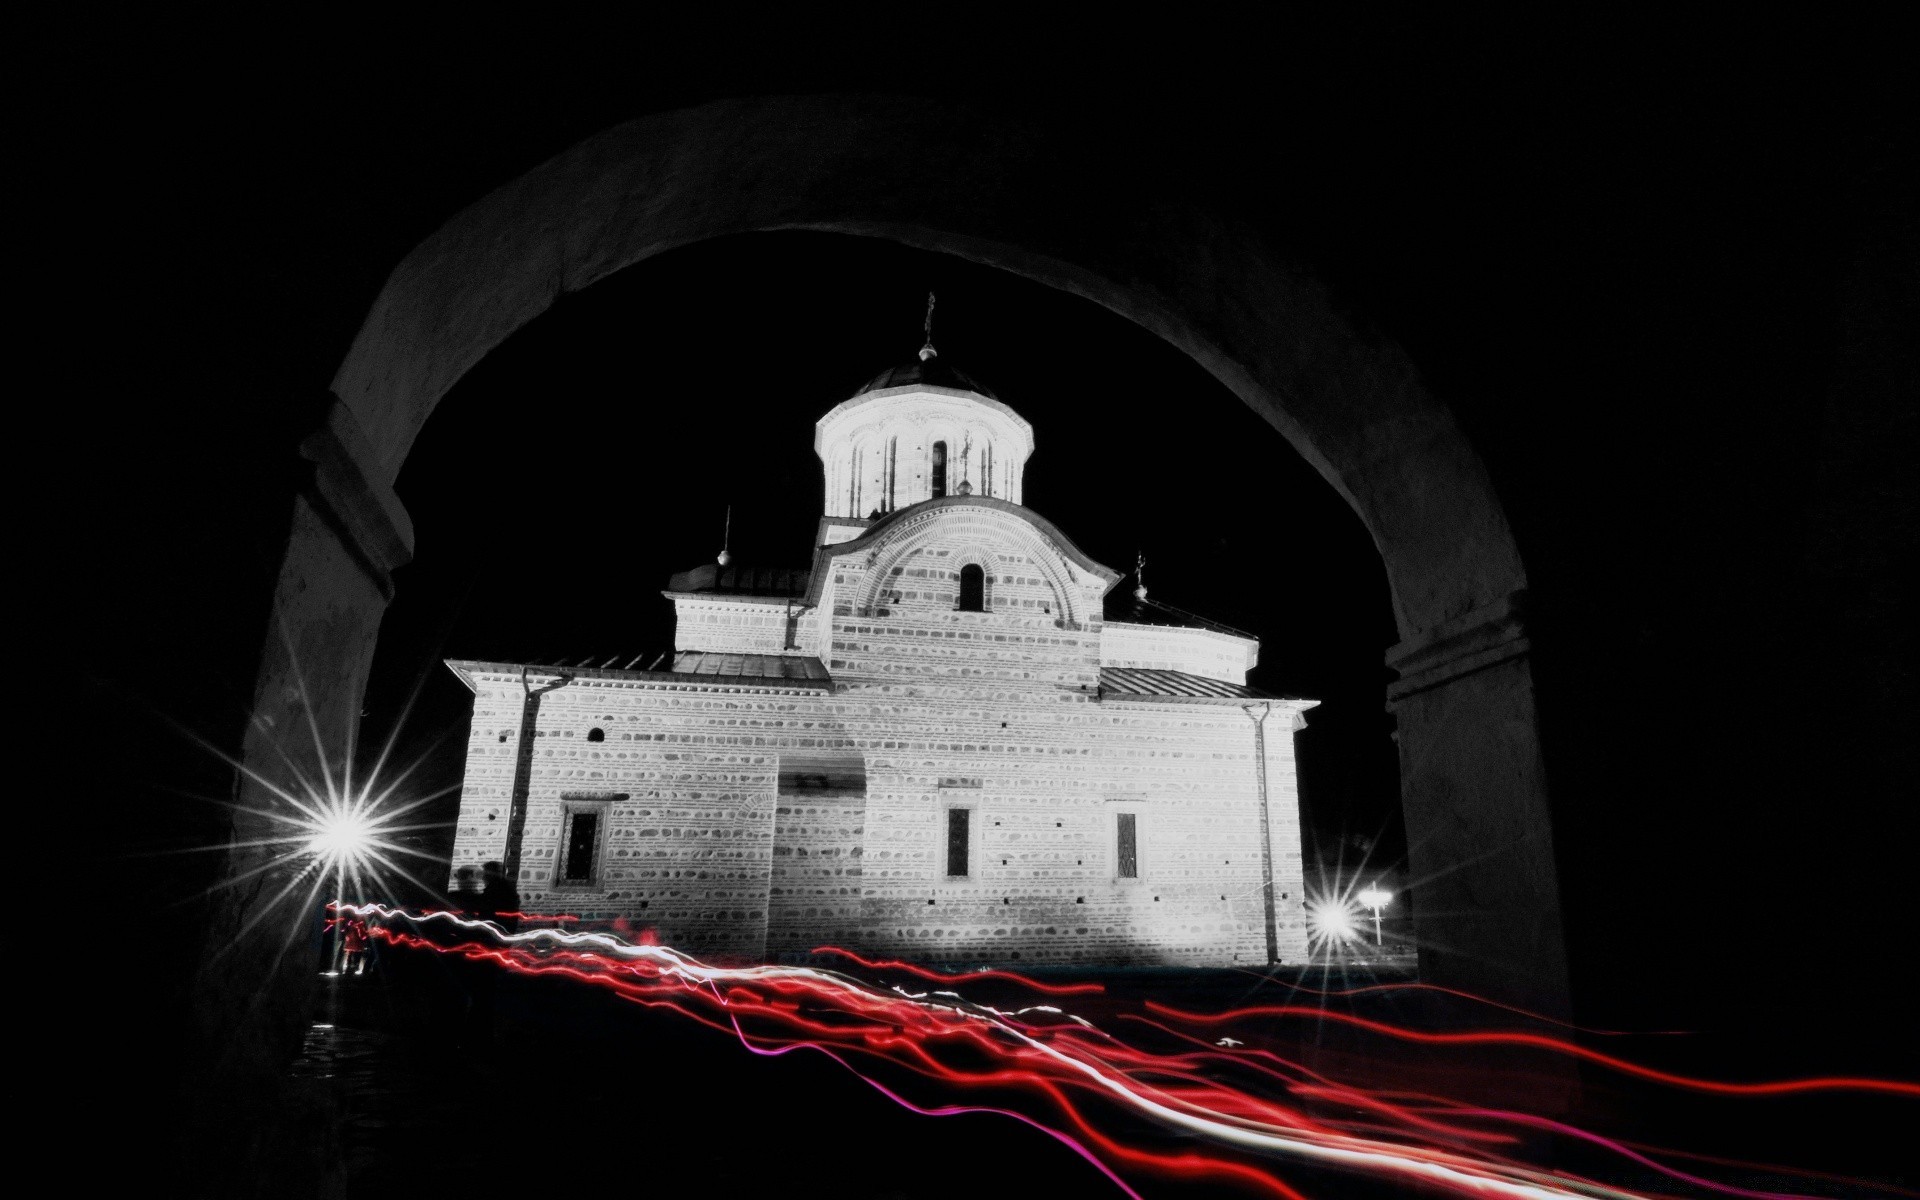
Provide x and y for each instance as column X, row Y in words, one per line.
column 1474, row 792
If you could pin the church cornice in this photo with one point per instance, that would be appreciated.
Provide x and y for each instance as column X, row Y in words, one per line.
column 470, row 673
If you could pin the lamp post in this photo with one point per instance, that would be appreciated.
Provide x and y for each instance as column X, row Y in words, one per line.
column 1375, row 898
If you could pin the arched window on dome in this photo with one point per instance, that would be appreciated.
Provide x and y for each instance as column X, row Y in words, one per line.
column 973, row 588
column 939, row 469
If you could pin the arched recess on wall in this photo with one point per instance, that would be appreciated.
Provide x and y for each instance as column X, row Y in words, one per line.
column 896, row 542
column 972, row 584
column 1473, row 786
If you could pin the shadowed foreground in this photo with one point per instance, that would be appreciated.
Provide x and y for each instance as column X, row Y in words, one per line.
column 429, row 1074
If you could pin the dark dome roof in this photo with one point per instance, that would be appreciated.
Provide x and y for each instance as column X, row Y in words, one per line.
column 933, row 372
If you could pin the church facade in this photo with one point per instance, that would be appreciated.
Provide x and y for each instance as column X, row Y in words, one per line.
column 954, row 738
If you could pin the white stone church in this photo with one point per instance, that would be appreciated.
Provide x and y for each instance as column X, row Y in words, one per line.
column 952, row 739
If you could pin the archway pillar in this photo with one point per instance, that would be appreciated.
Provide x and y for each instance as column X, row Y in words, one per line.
column 1480, row 852
column 349, row 489
column 347, row 534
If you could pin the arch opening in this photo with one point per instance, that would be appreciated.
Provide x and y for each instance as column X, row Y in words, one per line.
column 1353, row 410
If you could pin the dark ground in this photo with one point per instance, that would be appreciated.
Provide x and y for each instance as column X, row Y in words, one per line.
column 559, row 1086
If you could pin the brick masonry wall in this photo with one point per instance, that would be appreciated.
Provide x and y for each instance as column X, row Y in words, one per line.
column 738, row 625
column 814, row 897
column 701, row 845
column 687, row 843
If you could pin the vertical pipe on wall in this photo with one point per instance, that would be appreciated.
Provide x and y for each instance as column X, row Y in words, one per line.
column 1266, row 829
column 523, row 771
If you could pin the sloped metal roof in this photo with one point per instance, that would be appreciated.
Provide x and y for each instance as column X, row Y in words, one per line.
column 740, row 580
column 1174, row 685
column 749, row 666
column 651, row 660
column 1135, row 610
column 687, row 666
column 933, row 372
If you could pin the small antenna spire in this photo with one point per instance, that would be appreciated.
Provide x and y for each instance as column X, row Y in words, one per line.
column 726, row 538
column 1139, row 576
column 927, row 351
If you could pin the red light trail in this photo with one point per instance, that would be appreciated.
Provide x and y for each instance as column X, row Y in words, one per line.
column 1251, row 1111
column 1556, row 1045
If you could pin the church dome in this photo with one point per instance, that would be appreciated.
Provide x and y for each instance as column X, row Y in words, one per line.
column 920, row 432
column 929, row 371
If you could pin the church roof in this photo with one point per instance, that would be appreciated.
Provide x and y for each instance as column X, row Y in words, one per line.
column 1146, row 683
column 741, row 580
column 646, row 661
column 931, row 372
column 749, row 666
column 695, row 662
column 745, row 670
column 1135, row 610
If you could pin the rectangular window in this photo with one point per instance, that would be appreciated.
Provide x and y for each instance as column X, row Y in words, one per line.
column 583, row 834
column 1129, row 846
column 583, row 823
column 958, row 823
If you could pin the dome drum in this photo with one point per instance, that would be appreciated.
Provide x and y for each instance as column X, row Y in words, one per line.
column 888, row 448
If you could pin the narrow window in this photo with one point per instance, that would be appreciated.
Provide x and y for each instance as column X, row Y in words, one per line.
column 957, row 827
column 939, row 469
column 583, row 831
column 973, row 588
column 596, row 734
column 1129, row 846
column 893, row 470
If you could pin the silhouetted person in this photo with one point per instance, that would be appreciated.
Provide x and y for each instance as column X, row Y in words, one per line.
column 498, row 904
column 499, row 899
column 466, row 891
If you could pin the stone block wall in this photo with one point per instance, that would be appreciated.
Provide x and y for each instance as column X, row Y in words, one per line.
column 1045, row 783
column 688, row 796
column 737, row 624
column 486, row 790
column 818, row 854
column 703, row 843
